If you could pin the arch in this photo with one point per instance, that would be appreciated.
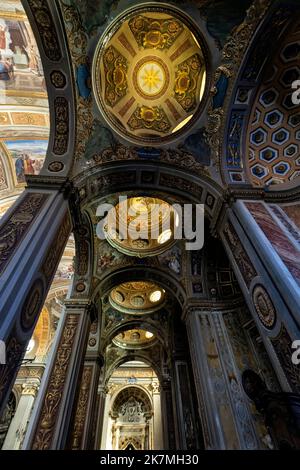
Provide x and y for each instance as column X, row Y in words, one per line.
column 133, row 356
column 128, row 391
column 245, row 161
column 134, row 324
column 167, row 281
column 8, row 178
column 103, row 182
column 50, row 35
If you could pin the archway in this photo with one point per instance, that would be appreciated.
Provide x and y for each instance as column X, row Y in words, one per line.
column 133, row 409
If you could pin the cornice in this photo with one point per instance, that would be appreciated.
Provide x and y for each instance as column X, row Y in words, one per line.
column 211, row 306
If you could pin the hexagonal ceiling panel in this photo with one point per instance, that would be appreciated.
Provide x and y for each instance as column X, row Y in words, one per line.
column 149, row 75
column 274, row 131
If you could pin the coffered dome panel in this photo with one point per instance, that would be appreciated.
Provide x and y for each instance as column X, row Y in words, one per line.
column 149, row 74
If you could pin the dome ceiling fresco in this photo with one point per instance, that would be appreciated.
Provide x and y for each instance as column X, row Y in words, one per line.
column 144, row 226
column 137, row 297
column 149, row 75
column 134, row 339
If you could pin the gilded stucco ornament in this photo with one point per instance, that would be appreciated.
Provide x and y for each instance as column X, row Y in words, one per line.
column 175, row 157
column 233, row 54
column 78, row 43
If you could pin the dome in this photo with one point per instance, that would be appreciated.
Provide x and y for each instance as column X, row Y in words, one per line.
column 149, row 74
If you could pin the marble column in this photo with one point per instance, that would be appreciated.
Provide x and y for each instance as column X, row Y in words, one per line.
column 157, row 418
column 277, row 240
column 227, row 421
column 264, row 248
column 168, row 423
column 33, row 235
column 18, row 426
column 86, row 406
column 100, row 417
column 108, row 424
column 50, row 423
column 187, row 432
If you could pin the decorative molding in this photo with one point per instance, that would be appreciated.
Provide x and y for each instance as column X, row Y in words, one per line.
column 51, row 405
column 13, row 231
column 30, row 389
column 56, row 167
column 78, row 44
column 233, row 53
column 242, row 259
column 177, row 158
column 82, row 406
column 33, row 372
column 3, row 177
column 264, row 307
column 282, row 345
column 55, row 250
column 46, row 27
column 58, row 79
column 14, row 353
column 61, row 133
column 32, row 305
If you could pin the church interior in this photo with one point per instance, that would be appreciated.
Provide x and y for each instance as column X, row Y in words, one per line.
column 117, row 342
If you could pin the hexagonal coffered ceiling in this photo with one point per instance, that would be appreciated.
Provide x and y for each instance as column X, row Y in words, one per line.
column 149, row 74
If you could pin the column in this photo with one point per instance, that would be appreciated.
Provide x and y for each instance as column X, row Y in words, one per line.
column 33, row 235
column 168, row 416
column 86, row 406
column 263, row 244
column 50, row 423
column 226, row 416
column 100, row 419
column 277, row 240
column 18, row 426
column 187, row 431
column 157, row 418
column 107, row 424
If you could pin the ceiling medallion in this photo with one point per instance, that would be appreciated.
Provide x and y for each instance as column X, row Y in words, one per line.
column 137, row 297
column 153, row 220
column 149, row 74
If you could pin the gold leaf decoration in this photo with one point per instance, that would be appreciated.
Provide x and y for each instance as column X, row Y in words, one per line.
column 187, row 82
column 115, row 66
column 155, row 33
column 154, row 118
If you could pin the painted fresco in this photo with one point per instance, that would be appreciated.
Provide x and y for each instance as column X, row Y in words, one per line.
column 20, row 63
column 28, row 156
